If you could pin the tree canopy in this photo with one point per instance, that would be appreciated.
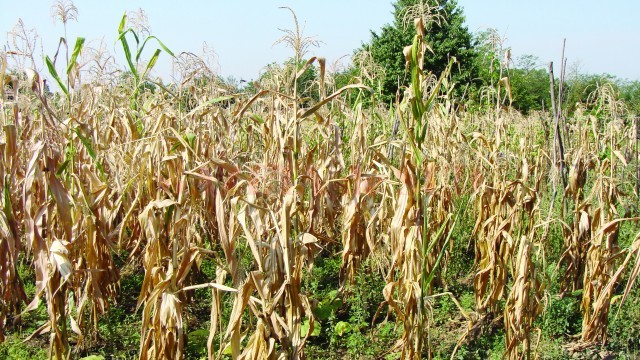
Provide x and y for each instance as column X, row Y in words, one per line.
column 447, row 36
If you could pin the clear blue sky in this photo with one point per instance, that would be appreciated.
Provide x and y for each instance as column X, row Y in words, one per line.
column 601, row 38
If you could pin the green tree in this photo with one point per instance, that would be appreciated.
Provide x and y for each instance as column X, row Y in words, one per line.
column 490, row 64
column 279, row 77
column 528, row 80
column 580, row 87
column 630, row 93
column 447, row 36
column 530, row 85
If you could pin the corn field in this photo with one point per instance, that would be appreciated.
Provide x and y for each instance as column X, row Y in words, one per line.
column 109, row 179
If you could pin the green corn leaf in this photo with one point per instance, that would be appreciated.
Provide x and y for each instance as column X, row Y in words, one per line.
column 127, row 55
column 159, row 43
column 54, row 73
column 121, row 29
column 432, row 273
column 92, row 153
column 164, row 88
column 258, row 119
column 125, row 45
column 76, row 51
column 151, row 63
column 210, row 102
column 122, row 24
column 415, row 70
column 191, row 138
column 62, row 168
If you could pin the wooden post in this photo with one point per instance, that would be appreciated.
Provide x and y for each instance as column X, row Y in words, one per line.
column 557, row 135
column 637, row 168
column 561, row 121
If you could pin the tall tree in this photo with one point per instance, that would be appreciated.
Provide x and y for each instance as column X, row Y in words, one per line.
column 446, row 36
column 530, row 85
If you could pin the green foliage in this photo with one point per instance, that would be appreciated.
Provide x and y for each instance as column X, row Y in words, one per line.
column 362, row 300
column 491, row 345
column 492, row 86
column 15, row 349
column 489, row 54
column 530, row 85
column 140, row 82
column 579, row 89
column 28, row 277
column 365, row 294
column 447, row 39
column 562, row 317
column 624, row 326
column 460, row 265
column 630, row 93
column 306, row 326
column 345, row 319
column 196, row 347
column 323, row 278
column 123, row 324
column 328, row 306
column 281, row 78
column 350, row 76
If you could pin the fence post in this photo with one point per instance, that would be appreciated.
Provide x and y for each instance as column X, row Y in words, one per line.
column 637, row 168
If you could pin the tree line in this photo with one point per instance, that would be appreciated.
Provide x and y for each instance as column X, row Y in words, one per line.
column 483, row 65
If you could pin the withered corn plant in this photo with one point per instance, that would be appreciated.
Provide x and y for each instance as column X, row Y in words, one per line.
column 525, row 300
column 591, row 261
column 421, row 225
column 601, row 275
column 61, row 207
column 577, row 236
column 67, row 209
column 276, row 201
column 508, row 235
column 11, row 288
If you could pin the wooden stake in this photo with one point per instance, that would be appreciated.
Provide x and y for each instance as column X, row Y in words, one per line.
column 637, row 168
column 557, row 135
